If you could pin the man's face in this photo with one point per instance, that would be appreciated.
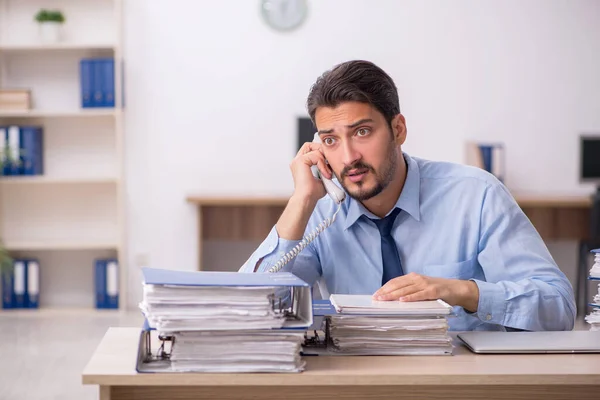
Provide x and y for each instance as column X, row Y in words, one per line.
column 359, row 147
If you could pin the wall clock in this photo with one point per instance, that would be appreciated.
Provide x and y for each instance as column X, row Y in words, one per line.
column 284, row 15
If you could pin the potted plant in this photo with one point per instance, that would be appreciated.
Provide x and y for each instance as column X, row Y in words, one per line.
column 6, row 263
column 50, row 24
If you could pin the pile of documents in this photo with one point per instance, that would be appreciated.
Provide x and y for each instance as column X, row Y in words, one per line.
column 177, row 308
column 363, row 326
column 594, row 317
column 222, row 322
column 237, row 351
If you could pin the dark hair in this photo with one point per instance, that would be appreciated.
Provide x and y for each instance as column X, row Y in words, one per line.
column 356, row 80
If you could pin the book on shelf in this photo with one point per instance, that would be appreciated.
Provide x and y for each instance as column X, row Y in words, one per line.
column 21, row 150
column 97, row 82
column 15, row 99
column 21, row 285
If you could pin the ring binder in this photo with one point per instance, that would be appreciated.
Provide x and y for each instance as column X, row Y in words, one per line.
column 289, row 301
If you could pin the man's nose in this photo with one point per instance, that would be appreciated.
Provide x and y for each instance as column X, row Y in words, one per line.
column 350, row 154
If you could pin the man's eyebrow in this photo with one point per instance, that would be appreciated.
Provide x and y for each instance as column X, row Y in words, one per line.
column 352, row 125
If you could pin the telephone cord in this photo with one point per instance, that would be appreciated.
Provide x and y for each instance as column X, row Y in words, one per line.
column 305, row 242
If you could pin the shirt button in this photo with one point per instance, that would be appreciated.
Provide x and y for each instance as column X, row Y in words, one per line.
column 488, row 317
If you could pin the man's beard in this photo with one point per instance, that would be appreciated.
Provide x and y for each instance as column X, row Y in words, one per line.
column 382, row 178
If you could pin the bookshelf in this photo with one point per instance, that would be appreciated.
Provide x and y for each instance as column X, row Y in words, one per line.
column 74, row 212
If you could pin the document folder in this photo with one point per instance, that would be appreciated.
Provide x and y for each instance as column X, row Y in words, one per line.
column 292, row 300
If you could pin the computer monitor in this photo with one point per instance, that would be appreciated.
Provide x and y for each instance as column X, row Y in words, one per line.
column 306, row 131
column 589, row 170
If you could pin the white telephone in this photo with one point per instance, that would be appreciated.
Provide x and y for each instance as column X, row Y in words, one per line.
column 338, row 196
column 334, row 191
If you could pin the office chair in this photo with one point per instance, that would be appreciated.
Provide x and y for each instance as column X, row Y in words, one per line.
column 585, row 246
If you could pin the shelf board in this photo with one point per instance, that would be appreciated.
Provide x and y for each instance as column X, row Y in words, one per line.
column 90, row 112
column 59, row 245
column 45, row 180
column 55, row 46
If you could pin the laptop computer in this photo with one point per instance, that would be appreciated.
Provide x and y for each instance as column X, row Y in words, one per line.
column 485, row 342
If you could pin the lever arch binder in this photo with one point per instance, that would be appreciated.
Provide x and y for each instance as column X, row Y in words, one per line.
column 290, row 300
column 357, row 325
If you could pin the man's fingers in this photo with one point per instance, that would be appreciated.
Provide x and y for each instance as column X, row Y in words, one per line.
column 317, row 158
column 419, row 296
column 308, row 147
column 395, row 284
column 398, row 293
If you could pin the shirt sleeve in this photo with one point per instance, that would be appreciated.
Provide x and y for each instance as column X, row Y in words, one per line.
column 523, row 287
column 304, row 265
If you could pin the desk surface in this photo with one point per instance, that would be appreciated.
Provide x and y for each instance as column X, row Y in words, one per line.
column 113, row 364
column 524, row 200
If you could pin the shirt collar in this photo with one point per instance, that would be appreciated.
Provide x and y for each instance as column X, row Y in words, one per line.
column 407, row 201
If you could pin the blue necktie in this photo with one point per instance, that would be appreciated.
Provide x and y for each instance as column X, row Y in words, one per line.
column 392, row 267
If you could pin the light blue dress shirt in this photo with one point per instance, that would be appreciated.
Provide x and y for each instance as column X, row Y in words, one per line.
column 456, row 222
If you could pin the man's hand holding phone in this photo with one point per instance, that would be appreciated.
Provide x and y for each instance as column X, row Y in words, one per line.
column 305, row 184
column 307, row 191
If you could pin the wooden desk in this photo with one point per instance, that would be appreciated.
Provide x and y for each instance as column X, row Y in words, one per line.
column 463, row 375
column 238, row 218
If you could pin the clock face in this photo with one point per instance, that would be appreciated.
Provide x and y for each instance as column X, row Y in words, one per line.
column 284, row 15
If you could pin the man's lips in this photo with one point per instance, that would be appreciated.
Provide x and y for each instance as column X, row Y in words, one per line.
column 356, row 175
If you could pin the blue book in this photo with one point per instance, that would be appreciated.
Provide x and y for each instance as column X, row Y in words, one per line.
column 32, row 292
column 302, row 290
column 112, row 283
column 8, row 291
column 100, row 283
column 32, row 150
column 86, row 81
column 19, row 283
column 108, row 82
column 486, row 156
column 97, row 88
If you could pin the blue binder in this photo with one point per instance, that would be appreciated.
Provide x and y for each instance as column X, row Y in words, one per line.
column 304, row 313
column 108, row 81
column 106, row 283
column 32, row 291
column 100, row 283
column 20, row 283
column 86, row 82
column 32, row 150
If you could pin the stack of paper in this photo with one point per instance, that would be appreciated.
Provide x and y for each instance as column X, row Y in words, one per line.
column 365, row 326
column 224, row 322
column 176, row 308
column 594, row 317
column 237, row 351
column 595, row 271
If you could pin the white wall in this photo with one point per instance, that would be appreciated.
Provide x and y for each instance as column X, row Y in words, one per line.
column 213, row 94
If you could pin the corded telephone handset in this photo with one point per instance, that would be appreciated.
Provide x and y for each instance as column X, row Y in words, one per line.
column 337, row 195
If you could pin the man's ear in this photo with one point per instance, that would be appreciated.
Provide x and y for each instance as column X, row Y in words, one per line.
column 399, row 129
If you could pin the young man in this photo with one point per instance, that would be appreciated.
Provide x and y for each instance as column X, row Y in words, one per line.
column 410, row 229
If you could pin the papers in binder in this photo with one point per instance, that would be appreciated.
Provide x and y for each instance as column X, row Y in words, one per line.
column 595, row 270
column 223, row 322
column 202, row 300
column 364, row 304
column 239, row 351
column 358, row 325
column 594, row 317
